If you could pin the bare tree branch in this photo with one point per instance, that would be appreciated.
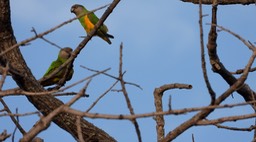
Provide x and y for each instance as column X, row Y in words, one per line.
column 101, row 96
column 130, row 83
column 225, row 119
column 252, row 127
column 45, row 121
column 158, row 94
column 222, row 2
column 46, row 40
column 4, row 135
column 193, row 139
column 153, row 114
column 17, row 124
column 240, row 71
column 245, row 91
column 207, row 82
column 125, row 93
column 72, row 120
column 17, row 91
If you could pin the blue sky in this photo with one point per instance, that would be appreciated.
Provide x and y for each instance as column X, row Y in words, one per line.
column 161, row 46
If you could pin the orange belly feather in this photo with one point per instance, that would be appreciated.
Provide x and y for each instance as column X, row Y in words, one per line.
column 88, row 24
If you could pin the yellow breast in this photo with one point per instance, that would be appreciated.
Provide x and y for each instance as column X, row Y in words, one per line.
column 89, row 25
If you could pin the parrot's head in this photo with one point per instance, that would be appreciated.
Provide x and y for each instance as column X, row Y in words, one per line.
column 78, row 9
column 65, row 53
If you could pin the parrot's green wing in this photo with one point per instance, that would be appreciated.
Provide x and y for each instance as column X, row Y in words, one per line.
column 82, row 21
column 94, row 19
column 54, row 65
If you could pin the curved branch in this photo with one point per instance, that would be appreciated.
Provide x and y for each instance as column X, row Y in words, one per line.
column 158, row 94
column 245, row 91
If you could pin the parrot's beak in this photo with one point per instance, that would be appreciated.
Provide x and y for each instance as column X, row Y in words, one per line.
column 72, row 9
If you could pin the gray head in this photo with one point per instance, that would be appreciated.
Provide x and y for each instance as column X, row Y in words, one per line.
column 78, row 9
column 65, row 53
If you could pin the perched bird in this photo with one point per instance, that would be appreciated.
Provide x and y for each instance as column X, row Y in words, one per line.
column 63, row 56
column 88, row 21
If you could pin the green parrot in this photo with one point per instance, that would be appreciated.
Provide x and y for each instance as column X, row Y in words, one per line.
column 63, row 56
column 88, row 22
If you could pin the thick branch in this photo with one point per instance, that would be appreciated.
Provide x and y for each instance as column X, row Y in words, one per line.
column 245, row 91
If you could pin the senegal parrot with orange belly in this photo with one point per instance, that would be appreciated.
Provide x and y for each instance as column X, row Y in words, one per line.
column 88, row 21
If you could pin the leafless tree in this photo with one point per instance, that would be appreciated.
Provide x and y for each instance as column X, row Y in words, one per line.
column 71, row 120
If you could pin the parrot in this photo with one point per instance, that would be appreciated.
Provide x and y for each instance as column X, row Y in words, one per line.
column 63, row 56
column 88, row 22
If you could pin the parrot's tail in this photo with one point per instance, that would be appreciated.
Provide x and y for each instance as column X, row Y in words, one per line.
column 107, row 40
column 109, row 35
column 105, row 36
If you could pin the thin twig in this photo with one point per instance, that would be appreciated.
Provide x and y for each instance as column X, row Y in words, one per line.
column 17, row 91
column 193, row 139
column 125, row 93
column 206, row 79
column 136, row 85
column 44, row 122
column 12, row 116
column 4, row 136
column 252, row 127
column 15, row 129
column 240, row 71
column 225, row 119
column 82, row 80
column 101, row 96
column 152, row 114
column 246, row 43
column 20, row 114
column 46, row 40
column 170, row 103
column 69, row 94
